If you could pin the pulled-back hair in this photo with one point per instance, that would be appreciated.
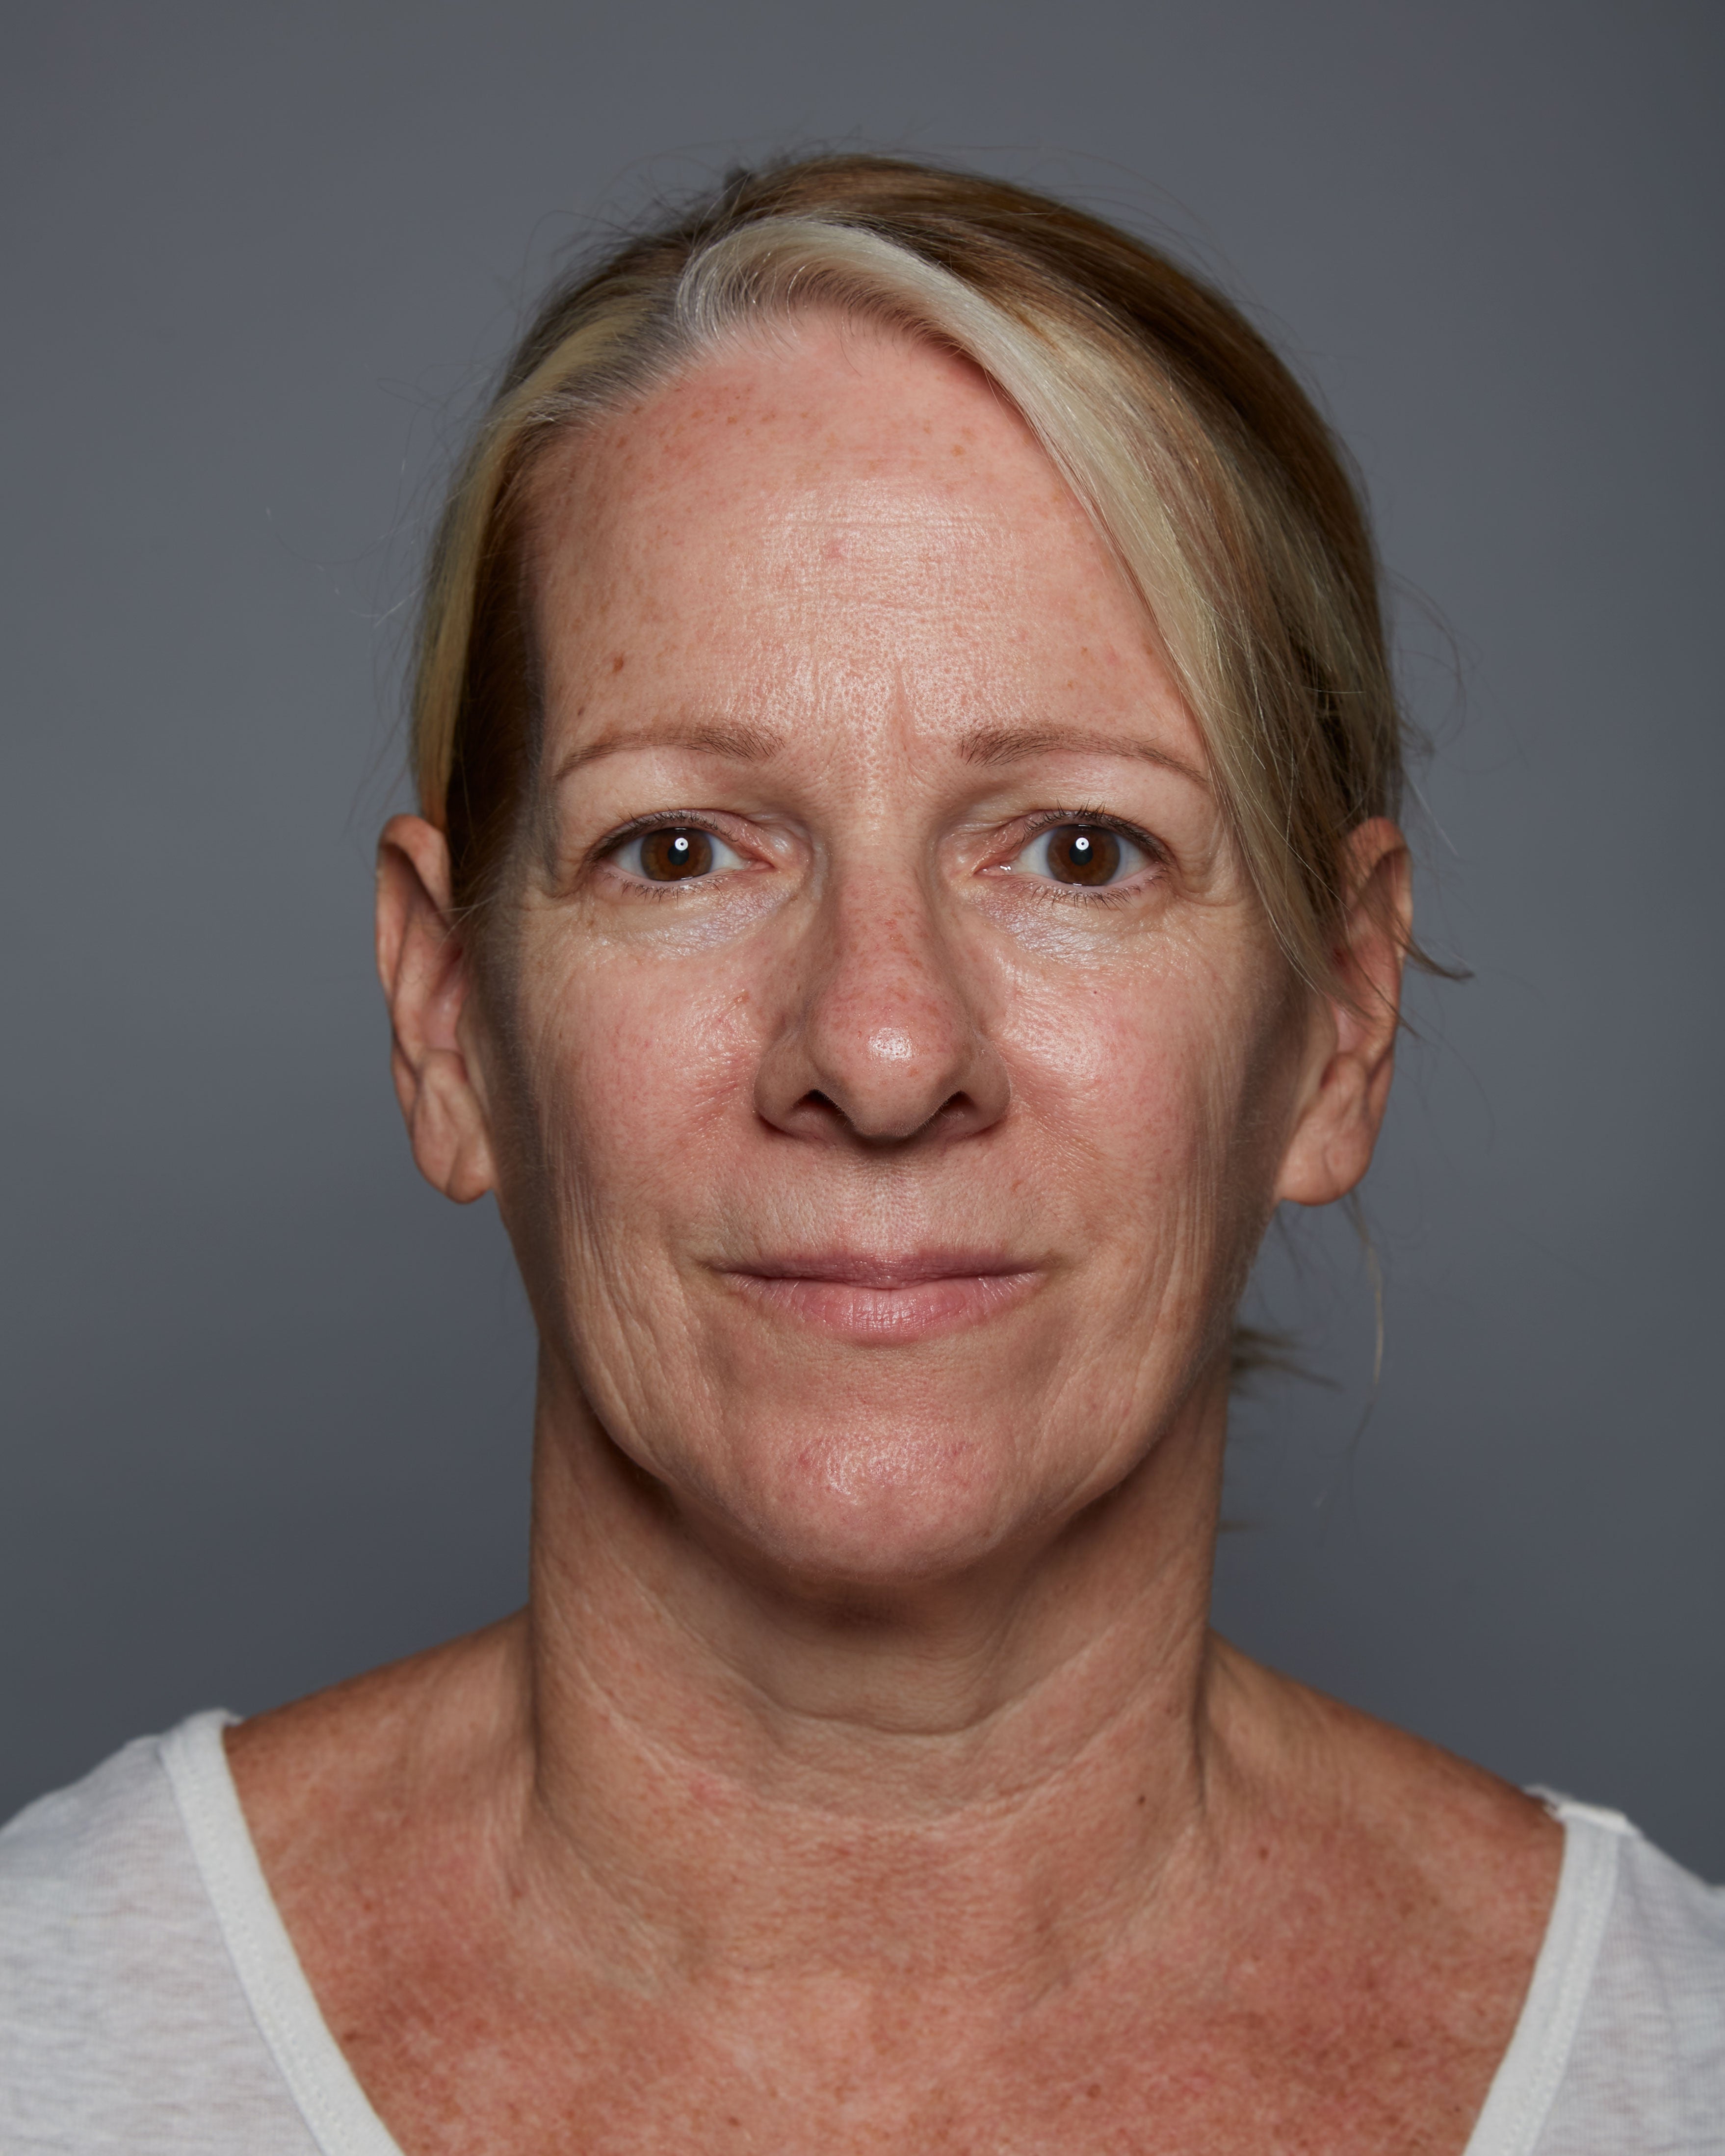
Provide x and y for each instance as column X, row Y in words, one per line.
column 1215, row 484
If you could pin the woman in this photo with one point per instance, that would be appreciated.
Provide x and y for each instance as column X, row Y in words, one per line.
column 905, row 884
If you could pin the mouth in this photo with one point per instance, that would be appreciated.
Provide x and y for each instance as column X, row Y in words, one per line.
column 881, row 1301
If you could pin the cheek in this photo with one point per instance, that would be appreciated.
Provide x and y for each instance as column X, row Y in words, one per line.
column 1159, row 1093
column 1143, row 1094
column 631, row 1070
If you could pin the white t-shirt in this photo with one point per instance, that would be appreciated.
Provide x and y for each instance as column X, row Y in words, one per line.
column 150, row 2001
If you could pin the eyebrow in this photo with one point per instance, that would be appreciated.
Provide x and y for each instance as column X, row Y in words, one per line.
column 990, row 745
column 993, row 745
column 739, row 743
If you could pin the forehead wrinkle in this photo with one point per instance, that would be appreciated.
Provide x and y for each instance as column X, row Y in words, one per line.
column 735, row 741
column 994, row 744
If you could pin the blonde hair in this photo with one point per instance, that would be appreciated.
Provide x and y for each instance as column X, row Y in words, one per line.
column 1219, row 489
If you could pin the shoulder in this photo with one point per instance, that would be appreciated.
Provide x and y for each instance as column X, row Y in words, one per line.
column 1590, row 1966
column 1383, row 1809
column 1620, row 2043
column 1649, row 2037
column 83, row 1871
column 1671, row 1918
column 324, row 1778
column 122, row 2023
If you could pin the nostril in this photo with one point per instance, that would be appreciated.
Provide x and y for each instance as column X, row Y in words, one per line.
column 886, row 1082
column 959, row 1110
column 816, row 1109
column 955, row 1112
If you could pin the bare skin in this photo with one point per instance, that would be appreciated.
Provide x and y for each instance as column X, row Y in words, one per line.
column 863, row 1773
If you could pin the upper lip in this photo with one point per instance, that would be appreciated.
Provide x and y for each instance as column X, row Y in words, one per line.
column 859, row 1269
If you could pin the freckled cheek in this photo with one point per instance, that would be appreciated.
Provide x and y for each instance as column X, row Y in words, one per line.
column 1131, row 1080
column 636, row 1072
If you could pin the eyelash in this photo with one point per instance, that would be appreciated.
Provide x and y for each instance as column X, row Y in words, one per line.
column 1044, row 819
column 660, row 819
column 685, row 820
column 1050, row 819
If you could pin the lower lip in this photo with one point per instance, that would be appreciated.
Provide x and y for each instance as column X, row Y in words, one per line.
column 917, row 1311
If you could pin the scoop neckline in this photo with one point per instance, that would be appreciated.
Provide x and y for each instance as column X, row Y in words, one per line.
column 337, row 2110
column 343, row 2122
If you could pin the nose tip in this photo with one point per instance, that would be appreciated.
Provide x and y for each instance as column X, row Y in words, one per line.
column 888, row 1045
column 883, row 1044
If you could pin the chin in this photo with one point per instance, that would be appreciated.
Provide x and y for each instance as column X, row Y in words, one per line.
column 885, row 1503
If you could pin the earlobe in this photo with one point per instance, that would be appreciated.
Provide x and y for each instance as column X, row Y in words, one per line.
column 1351, row 1055
column 450, row 1139
column 423, row 967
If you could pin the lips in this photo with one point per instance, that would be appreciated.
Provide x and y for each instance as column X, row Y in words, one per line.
column 875, row 1299
column 856, row 1269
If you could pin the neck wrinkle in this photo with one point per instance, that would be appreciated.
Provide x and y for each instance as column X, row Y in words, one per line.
column 713, row 1789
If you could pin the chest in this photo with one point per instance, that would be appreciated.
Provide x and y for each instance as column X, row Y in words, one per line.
column 1116, row 2068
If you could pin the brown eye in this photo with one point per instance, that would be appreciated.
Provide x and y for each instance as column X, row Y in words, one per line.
column 669, row 855
column 1083, row 853
column 1089, row 856
column 674, row 853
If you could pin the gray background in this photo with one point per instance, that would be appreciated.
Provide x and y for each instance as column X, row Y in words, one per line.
column 265, row 1398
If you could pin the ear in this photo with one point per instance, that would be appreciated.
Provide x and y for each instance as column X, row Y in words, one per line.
column 425, row 970
column 1351, row 1043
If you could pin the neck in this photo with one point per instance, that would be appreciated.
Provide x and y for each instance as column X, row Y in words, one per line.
column 786, row 1775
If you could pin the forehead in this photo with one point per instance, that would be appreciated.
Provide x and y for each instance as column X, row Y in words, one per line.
column 831, row 515
column 784, row 414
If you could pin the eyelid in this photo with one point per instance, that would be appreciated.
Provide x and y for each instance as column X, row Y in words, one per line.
column 641, row 827
column 1046, row 821
column 1031, row 827
column 1042, row 820
column 658, row 819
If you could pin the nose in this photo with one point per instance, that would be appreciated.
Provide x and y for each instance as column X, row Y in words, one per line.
column 879, row 1041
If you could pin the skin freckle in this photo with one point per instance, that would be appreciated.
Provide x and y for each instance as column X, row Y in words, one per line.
column 884, row 1068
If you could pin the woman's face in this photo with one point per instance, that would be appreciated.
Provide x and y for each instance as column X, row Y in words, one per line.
column 887, row 1067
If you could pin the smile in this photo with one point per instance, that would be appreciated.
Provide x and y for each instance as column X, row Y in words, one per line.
column 882, row 1300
